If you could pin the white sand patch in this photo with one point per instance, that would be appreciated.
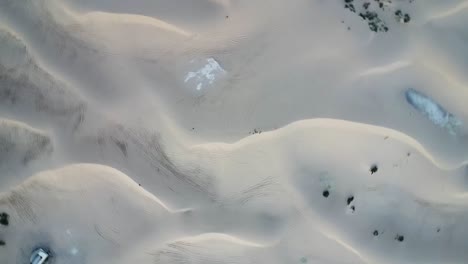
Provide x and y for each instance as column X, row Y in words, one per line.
column 433, row 111
column 74, row 251
column 206, row 75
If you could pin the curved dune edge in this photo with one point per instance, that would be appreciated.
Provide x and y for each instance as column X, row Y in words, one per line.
column 103, row 17
column 340, row 125
column 450, row 12
column 54, row 175
column 346, row 246
column 378, row 70
column 224, row 237
column 14, row 124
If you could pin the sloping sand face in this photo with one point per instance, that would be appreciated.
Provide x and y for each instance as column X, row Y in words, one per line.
column 220, row 131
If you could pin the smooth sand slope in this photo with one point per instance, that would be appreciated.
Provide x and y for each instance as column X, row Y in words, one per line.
column 218, row 131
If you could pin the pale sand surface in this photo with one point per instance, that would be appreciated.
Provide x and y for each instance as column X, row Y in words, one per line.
column 222, row 131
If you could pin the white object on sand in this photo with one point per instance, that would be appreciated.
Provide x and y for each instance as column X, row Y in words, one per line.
column 74, row 251
column 207, row 74
column 432, row 110
column 39, row 256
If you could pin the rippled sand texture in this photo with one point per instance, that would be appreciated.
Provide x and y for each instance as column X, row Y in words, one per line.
column 219, row 131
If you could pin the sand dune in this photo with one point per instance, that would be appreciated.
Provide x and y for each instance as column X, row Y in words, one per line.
column 20, row 146
column 220, row 131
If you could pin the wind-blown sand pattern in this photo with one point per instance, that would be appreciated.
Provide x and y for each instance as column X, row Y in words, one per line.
column 240, row 132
